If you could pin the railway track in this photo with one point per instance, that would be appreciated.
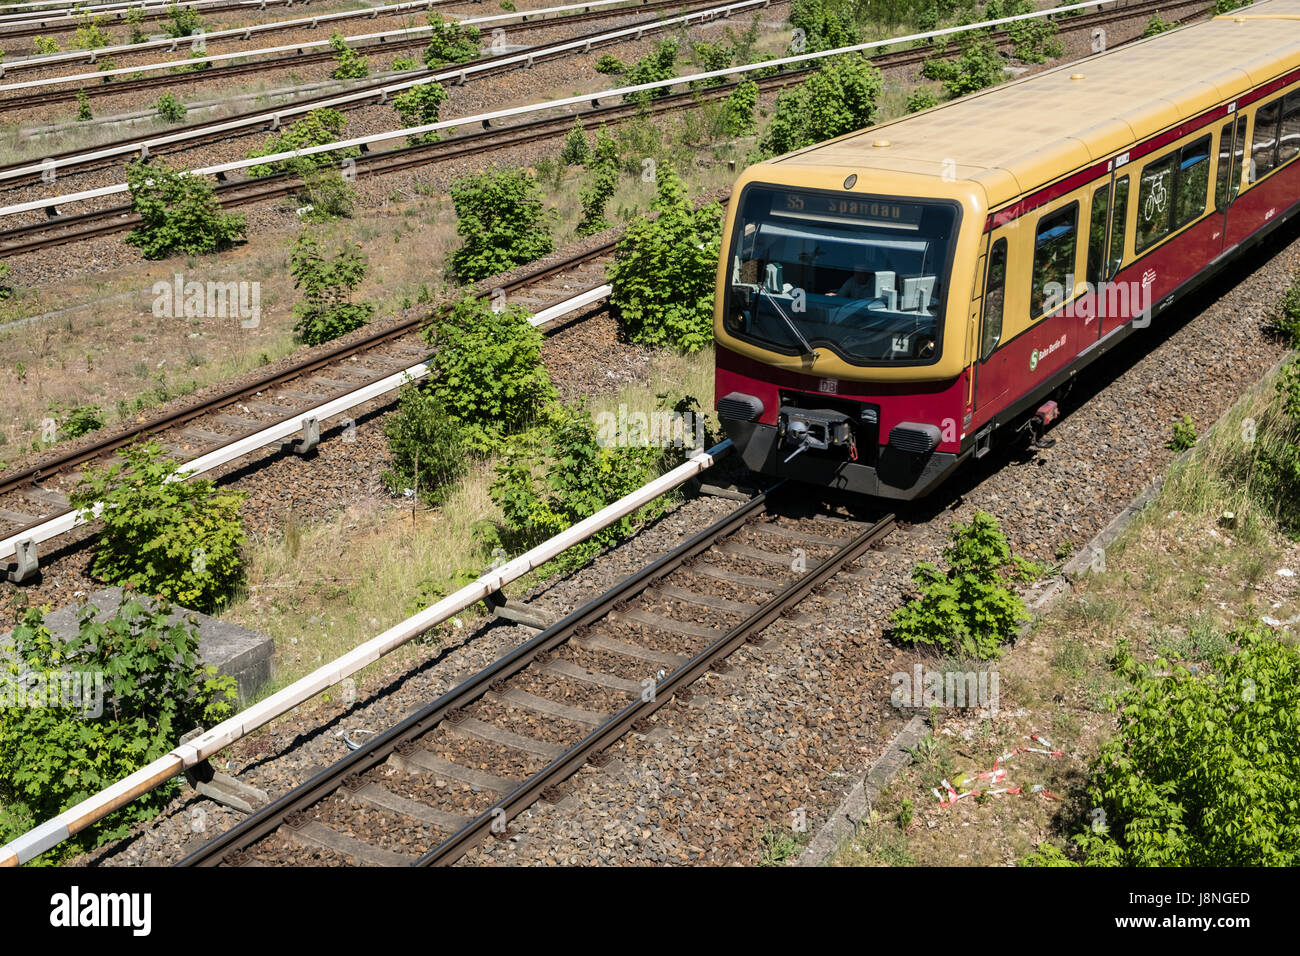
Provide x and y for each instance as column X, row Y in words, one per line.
column 396, row 42
column 454, row 773
column 55, row 21
column 34, row 502
column 61, row 230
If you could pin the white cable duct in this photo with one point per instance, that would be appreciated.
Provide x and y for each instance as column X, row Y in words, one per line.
column 66, row 12
column 49, row 834
column 480, row 117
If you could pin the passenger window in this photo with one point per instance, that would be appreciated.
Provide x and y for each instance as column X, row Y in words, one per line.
column 1193, row 182
column 1225, row 165
column 1288, row 143
column 1097, row 233
column 1054, row 247
column 1263, row 151
column 1154, row 205
column 1238, row 154
column 1118, row 228
column 994, row 296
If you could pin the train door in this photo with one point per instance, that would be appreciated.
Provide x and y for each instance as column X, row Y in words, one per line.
column 1114, row 306
column 1227, row 183
column 991, row 381
column 1092, row 304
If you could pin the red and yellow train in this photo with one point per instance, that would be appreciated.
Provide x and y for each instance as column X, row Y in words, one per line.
column 892, row 302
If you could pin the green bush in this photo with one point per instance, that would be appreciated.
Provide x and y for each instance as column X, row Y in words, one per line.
column 84, row 114
column 327, row 310
column 824, row 28
column 78, row 420
column 155, row 689
column 969, row 609
column 575, row 150
column 1184, row 434
column 424, row 440
column 325, row 195
column 600, row 186
column 610, row 65
column 681, row 242
column 1286, row 324
column 6, row 290
column 198, row 63
column 1157, row 25
column 489, row 370
column 500, row 218
column 315, row 129
column 89, row 34
column 450, row 42
column 178, row 212
column 419, row 106
column 176, row 539
column 170, row 109
column 839, row 98
column 659, row 64
column 921, row 98
column 44, row 45
column 558, row 473
column 135, row 20
column 1034, row 41
column 738, row 110
column 1201, row 770
column 979, row 66
column 710, row 57
column 403, row 63
column 182, row 21
column 348, row 64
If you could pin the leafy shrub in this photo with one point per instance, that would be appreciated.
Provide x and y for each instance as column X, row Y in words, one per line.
column 1184, row 435
column 135, row 20
column 419, row 106
column 1157, row 25
column 349, row 64
column 84, row 114
column 968, row 610
column 1047, row 854
column 325, row 195
column 155, row 689
column 1199, row 772
column 182, row 21
column 403, row 63
column 327, row 310
column 1286, row 323
column 921, row 98
column 508, row 6
column 315, row 129
column 500, row 217
column 553, row 476
column 575, row 150
column 44, row 45
column 738, row 110
column 610, row 65
column 659, row 64
column 710, row 57
column 979, row 66
column 450, row 42
column 178, row 212
column 839, row 98
column 198, row 63
column 177, row 539
column 1034, row 41
column 489, row 370
column 170, row 109
column 681, row 242
column 602, row 180
column 90, row 35
column 6, row 290
column 425, row 442
column 78, row 420
column 824, row 28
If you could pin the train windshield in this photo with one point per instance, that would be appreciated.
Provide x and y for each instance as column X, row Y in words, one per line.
column 862, row 276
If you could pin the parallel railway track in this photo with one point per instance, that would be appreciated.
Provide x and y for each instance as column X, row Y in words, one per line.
column 428, row 790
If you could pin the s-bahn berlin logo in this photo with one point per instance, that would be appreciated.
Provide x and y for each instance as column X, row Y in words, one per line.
column 1039, row 354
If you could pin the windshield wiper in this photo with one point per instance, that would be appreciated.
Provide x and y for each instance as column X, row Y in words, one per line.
column 808, row 349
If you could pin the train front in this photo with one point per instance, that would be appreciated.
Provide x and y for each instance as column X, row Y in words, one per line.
column 843, row 319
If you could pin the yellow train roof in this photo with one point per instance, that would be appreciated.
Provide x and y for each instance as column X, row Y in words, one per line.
column 1017, row 137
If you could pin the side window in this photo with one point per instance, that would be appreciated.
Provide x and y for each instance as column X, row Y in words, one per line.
column 1193, row 182
column 1238, row 154
column 1263, row 150
column 1225, row 165
column 1097, row 233
column 1154, row 201
column 994, row 297
column 1054, row 246
column 1118, row 228
column 1288, row 143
